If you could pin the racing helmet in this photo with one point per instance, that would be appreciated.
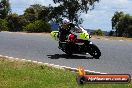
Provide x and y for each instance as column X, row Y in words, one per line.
column 66, row 21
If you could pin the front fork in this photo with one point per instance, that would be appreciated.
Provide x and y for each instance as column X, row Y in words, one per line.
column 87, row 46
column 89, row 43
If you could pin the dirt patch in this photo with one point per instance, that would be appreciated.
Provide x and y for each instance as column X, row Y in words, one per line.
column 111, row 38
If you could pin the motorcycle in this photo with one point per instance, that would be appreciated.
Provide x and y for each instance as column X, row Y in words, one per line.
column 77, row 42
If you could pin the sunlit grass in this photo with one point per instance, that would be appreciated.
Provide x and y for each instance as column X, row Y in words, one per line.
column 17, row 74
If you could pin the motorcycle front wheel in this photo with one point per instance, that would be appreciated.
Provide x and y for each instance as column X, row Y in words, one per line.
column 94, row 51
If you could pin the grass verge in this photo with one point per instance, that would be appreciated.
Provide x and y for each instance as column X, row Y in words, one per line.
column 18, row 74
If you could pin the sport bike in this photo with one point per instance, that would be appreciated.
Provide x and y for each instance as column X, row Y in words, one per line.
column 77, row 42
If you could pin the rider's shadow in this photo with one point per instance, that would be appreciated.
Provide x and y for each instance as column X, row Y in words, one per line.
column 58, row 56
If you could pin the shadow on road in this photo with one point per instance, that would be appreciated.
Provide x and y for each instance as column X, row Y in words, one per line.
column 58, row 56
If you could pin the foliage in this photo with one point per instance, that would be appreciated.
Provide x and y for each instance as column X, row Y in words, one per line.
column 3, row 25
column 98, row 32
column 53, row 13
column 44, row 14
column 38, row 26
column 130, row 31
column 35, row 12
column 4, row 8
column 15, row 22
column 32, row 16
column 73, row 8
column 111, row 33
column 116, row 19
column 122, row 24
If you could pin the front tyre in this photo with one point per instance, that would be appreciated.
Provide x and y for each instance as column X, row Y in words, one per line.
column 68, row 50
column 94, row 51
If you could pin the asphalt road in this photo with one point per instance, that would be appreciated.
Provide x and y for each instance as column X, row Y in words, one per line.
column 116, row 55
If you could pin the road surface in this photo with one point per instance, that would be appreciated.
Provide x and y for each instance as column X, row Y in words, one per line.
column 116, row 55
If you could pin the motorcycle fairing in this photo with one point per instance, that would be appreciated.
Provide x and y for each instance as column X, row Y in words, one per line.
column 54, row 35
column 83, row 34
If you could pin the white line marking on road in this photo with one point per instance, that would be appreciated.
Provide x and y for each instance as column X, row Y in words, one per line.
column 29, row 60
column 87, row 53
column 23, row 59
column 63, row 66
column 46, row 63
column 35, row 61
column 17, row 58
column 106, row 39
column 11, row 57
column 121, row 40
column 40, row 62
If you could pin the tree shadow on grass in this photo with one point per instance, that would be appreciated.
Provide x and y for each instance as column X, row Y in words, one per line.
column 59, row 56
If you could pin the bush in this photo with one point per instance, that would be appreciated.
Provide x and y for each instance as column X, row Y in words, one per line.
column 111, row 33
column 37, row 26
column 3, row 25
column 15, row 22
column 130, row 31
column 98, row 32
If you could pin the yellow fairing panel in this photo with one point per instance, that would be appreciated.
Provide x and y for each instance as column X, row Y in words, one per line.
column 84, row 36
column 54, row 35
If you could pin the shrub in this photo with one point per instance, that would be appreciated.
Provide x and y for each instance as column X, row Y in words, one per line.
column 3, row 25
column 111, row 33
column 38, row 26
column 15, row 22
column 98, row 32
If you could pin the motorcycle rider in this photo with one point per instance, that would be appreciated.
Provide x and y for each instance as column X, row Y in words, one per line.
column 64, row 29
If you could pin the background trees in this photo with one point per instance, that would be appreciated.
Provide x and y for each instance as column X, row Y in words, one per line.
column 15, row 22
column 37, row 17
column 122, row 24
column 33, row 12
column 73, row 8
column 4, row 8
column 98, row 32
column 3, row 25
column 31, row 20
column 37, row 26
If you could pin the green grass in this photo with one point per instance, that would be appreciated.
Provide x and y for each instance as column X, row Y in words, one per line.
column 17, row 74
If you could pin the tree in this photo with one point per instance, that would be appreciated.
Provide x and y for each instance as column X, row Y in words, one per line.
column 3, row 25
column 98, row 32
column 130, row 31
column 73, row 8
column 44, row 14
column 121, row 23
column 15, row 22
column 4, row 8
column 115, row 23
column 32, row 13
column 124, row 24
column 56, row 13
column 38, row 26
column 29, row 14
column 111, row 33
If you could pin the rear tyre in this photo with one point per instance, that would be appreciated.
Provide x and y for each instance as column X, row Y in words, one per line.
column 94, row 51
